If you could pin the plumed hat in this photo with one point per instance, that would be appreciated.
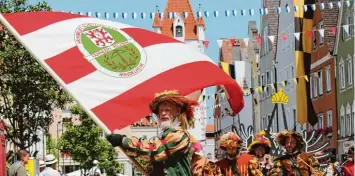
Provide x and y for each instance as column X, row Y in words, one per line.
column 260, row 140
column 172, row 96
column 282, row 136
column 230, row 139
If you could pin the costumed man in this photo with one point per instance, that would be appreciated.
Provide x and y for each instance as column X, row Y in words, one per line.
column 171, row 152
column 260, row 149
column 294, row 162
column 235, row 163
column 348, row 166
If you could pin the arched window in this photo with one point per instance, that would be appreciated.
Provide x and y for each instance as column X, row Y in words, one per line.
column 178, row 31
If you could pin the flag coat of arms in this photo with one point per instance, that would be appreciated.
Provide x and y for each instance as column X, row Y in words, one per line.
column 113, row 70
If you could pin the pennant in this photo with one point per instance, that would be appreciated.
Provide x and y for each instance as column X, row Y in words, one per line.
column 264, row 88
column 284, row 37
column 134, row 15
column 295, row 80
column 271, row 38
column 88, row 14
column 207, row 14
column 258, row 39
column 232, row 71
column 339, row 4
column 334, row 30
column 143, row 15
column 330, row 5
column 246, row 40
column 219, row 43
column 206, row 43
column 235, row 13
column 309, row 34
column 225, row 67
column 260, row 89
column 115, row 15
column 227, row 13
column 139, row 82
column 266, row 11
column 321, row 32
column 273, row 86
column 185, row 14
column 251, row 12
column 232, row 41
column 98, row 14
column 107, row 15
column 306, row 78
column 322, row 6
column 243, row 12
column 284, row 83
column 346, row 28
column 216, row 13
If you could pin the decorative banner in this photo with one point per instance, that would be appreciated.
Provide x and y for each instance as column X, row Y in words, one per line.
column 206, row 43
column 216, row 14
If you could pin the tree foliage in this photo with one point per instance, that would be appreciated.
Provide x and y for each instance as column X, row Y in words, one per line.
column 85, row 143
column 28, row 93
column 51, row 146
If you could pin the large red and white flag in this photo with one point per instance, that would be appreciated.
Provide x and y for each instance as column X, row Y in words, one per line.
column 113, row 70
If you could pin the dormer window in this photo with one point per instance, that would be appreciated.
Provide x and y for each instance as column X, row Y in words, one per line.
column 178, row 31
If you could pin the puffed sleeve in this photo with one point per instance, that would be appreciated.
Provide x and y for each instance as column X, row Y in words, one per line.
column 253, row 168
column 276, row 169
column 158, row 149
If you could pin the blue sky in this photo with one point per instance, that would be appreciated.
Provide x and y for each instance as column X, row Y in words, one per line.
column 216, row 28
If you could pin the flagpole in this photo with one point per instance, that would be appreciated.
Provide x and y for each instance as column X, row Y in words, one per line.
column 61, row 83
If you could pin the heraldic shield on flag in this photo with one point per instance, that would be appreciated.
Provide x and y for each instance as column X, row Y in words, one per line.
column 110, row 50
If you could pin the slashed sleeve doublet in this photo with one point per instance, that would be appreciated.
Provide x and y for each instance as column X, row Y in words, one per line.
column 158, row 149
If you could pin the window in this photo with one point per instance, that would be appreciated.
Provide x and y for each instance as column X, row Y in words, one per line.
column 266, row 39
column 314, row 37
column 350, row 73
column 346, row 32
column 178, row 32
column 328, row 77
column 315, row 86
column 320, row 82
column 294, row 118
column 342, row 75
column 264, row 123
column 352, row 120
column 262, row 84
column 348, row 125
column 311, row 85
column 320, row 121
column 321, row 38
column 342, row 126
column 268, row 81
column 292, row 72
column 329, row 118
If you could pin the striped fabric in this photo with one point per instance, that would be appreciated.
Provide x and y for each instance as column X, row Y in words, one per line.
column 155, row 149
column 303, row 50
column 113, row 70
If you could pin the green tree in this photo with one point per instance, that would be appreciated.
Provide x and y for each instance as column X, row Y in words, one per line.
column 51, row 146
column 85, row 143
column 28, row 93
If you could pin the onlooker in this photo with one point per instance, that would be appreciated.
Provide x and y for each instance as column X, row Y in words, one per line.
column 50, row 169
column 95, row 170
column 42, row 166
column 18, row 168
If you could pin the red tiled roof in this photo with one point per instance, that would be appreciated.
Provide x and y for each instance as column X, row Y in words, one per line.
column 179, row 6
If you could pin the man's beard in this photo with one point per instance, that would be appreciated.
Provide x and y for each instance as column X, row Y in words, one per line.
column 168, row 124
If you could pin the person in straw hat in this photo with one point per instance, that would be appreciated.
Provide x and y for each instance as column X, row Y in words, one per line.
column 171, row 152
column 42, row 166
column 235, row 162
column 260, row 149
column 295, row 161
column 50, row 169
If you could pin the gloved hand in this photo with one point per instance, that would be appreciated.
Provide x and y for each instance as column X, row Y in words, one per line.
column 115, row 139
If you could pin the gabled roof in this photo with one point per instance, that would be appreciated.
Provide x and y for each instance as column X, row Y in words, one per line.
column 178, row 7
column 226, row 51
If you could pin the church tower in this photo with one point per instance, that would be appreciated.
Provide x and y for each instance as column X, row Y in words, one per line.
column 178, row 21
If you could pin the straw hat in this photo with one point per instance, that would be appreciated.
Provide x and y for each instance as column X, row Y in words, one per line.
column 50, row 159
column 42, row 164
column 172, row 96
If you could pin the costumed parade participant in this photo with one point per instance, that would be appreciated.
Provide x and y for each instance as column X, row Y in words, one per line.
column 331, row 170
column 348, row 166
column 294, row 162
column 235, row 163
column 171, row 153
column 260, row 149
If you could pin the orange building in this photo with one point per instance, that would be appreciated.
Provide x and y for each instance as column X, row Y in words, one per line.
column 322, row 78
